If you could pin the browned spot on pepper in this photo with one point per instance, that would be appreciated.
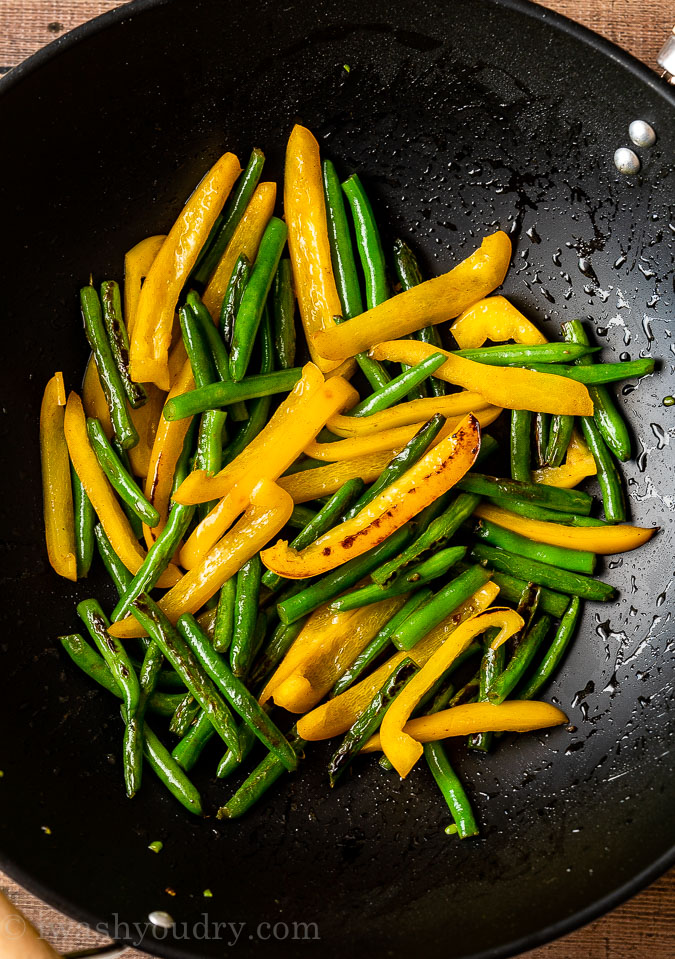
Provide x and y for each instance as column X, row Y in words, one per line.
column 327, row 550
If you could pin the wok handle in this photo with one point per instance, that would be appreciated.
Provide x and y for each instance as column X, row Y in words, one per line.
column 18, row 938
column 666, row 58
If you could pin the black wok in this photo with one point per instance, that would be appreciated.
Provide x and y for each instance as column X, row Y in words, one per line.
column 458, row 116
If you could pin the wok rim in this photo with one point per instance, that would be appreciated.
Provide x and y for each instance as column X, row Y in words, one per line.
column 644, row 74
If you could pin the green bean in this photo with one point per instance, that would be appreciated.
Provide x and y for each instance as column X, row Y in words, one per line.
column 154, row 621
column 438, row 532
column 599, row 373
column 187, row 751
column 409, row 275
column 229, row 763
column 533, row 511
column 396, row 389
column 224, row 628
column 91, row 663
column 120, row 479
column 259, row 781
column 379, row 642
column 196, row 347
column 577, row 560
column 335, row 582
column 281, row 641
column 301, row 516
column 85, row 520
column 519, row 663
column 321, row 522
column 452, row 789
column 514, row 354
column 369, row 721
column 118, row 339
column 441, row 605
column 341, row 248
column 521, row 438
column 121, row 668
column 185, row 714
column 232, row 300
column 610, row 422
column 245, row 615
column 284, row 321
column 170, row 773
column 542, row 574
column 542, row 428
column 208, row 456
column 255, row 295
column 241, row 700
column 368, row 242
column 609, row 477
column 419, row 575
column 564, row 633
column 108, row 374
column 563, row 500
column 511, row 590
column 223, row 394
column 560, row 434
column 227, row 222
column 117, row 571
column 492, row 664
column 217, row 348
column 372, row 369
column 414, row 449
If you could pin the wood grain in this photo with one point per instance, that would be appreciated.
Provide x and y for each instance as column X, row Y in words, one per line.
column 643, row 928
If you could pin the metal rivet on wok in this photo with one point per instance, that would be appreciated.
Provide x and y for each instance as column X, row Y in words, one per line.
column 163, row 919
column 627, row 161
column 642, row 133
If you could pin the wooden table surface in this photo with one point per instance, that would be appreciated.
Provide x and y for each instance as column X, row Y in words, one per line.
column 644, row 927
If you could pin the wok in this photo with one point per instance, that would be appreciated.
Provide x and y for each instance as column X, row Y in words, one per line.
column 459, row 117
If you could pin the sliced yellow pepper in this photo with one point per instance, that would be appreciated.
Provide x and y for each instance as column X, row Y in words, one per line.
column 405, row 414
column 435, row 473
column 312, row 679
column 597, row 539
column 269, row 511
column 339, row 714
column 102, row 495
column 308, row 420
column 137, row 263
column 245, row 239
column 516, row 716
column 57, row 494
column 579, row 464
column 431, row 302
column 401, row 749
column 153, row 323
column 507, row 386
column 166, row 450
column 494, row 318
column 199, row 487
column 305, row 210
column 326, row 480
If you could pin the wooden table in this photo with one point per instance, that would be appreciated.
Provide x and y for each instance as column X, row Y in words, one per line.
column 643, row 928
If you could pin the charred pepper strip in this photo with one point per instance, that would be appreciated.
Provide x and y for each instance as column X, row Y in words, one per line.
column 108, row 374
column 119, row 341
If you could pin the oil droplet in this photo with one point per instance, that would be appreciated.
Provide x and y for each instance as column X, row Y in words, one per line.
column 581, row 694
column 668, row 400
column 662, row 438
column 620, row 261
column 586, row 267
column 533, row 235
column 624, row 357
column 628, row 389
column 612, row 685
column 556, row 256
column 641, row 459
column 574, row 747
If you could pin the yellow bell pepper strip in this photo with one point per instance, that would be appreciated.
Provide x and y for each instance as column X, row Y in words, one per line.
column 507, row 386
column 102, row 496
column 57, row 493
column 166, row 450
column 405, row 414
column 338, row 649
column 426, row 304
column 402, row 750
column 339, row 714
column 515, row 716
column 310, row 416
column 245, row 239
column 153, row 324
column 137, row 263
column 597, row 539
column 579, row 463
column 199, row 487
column 308, row 245
column 326, row 480
column 494, row 318
column 431, row 476
column 269, row 510
column 394, row 439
